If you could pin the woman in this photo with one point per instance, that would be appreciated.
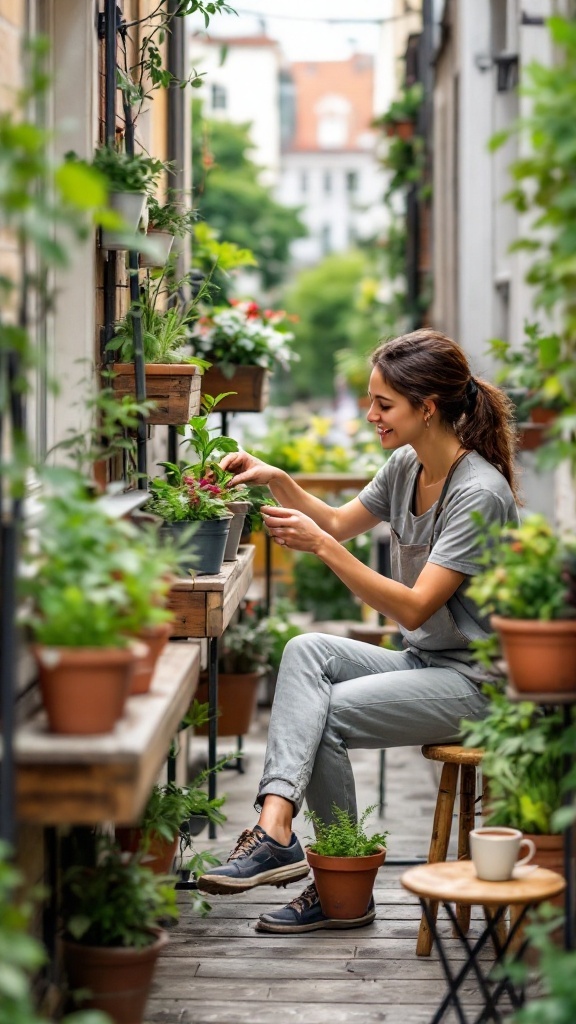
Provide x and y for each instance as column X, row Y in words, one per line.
column 452, row 444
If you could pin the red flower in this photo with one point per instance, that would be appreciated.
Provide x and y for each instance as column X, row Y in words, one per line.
column 205, row 485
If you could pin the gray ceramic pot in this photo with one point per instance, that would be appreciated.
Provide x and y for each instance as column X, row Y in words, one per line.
column 206, row 546
column 239, row 509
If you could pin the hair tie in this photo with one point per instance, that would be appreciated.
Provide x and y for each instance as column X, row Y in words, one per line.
column 471, row 393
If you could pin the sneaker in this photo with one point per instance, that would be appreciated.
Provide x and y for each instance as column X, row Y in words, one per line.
column 257, row 860
column 304, row 914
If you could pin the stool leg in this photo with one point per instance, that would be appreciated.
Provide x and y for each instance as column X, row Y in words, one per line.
column 465, row 826
column 439, row 845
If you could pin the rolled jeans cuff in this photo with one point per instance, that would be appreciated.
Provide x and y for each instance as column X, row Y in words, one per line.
column 279, row 788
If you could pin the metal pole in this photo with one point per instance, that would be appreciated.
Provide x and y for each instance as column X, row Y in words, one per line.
column 213, row 722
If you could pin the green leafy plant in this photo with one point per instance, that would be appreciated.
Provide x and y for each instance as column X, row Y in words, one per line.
column 528, row 572
column 172, row 216
column 529, row 373
column 404, row 107
column 246, row 645
column 345, row 836
column 184, row 498
column 21, row 955
column 165, row 327
column 317, row 590
column 556, row 970
column 523, row 761
column 281, row 629
column 116, row 902
column 124, row 173
column 93, row 580
column 170, row 805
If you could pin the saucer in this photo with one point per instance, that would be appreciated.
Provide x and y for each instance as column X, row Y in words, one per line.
column 524, row 870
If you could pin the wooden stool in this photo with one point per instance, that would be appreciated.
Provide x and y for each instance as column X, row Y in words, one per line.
column 456, row 760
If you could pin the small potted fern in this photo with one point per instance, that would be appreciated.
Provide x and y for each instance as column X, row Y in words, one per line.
column 345, row 862
column 165, row 223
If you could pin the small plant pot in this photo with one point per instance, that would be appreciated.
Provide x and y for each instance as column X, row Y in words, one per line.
column 84, row 689
column 345, row 883
column 239, row 510
column 207, row 545
column 197, row 823
column 160, row 852
column 237, row 695
column 155, row 639
column 400, row 129
column 130, row 206
column 251, row 385
column 541, row 656
column 174, row 387
column 163, row 241
column 118, row 979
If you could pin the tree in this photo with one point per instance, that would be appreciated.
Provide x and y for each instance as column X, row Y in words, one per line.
column 231, row 199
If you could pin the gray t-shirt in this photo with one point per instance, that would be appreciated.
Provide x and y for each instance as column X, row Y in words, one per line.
column 476, row 486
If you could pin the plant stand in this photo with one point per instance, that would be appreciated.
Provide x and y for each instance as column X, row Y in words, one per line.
column 174, row 387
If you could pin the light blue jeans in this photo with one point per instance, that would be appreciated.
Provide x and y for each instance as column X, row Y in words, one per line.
column 335, row 695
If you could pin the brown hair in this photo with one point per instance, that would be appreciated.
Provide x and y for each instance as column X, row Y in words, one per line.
column 427, row 364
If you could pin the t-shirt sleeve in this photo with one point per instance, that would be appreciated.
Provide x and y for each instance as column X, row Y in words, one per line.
column 376, row 495
column 459, row 545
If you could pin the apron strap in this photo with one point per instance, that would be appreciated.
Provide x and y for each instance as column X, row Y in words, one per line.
column 443, row 493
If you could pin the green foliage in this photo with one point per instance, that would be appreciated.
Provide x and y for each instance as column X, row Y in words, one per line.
column 170, row 805
column 528, row 571
column 244, row 334
column 172, row 216
column 523, row 760
column 208, row 449
column 124, row 173
column 21, row 955
column 280, row 629
column 92, row 580
column 318, row 590
column 529, row 372
column 405, row 106
column 165, row 326
column 246, row 645
column 183, row 498
column 344, row 837
column 543, row 188
column 556, row 970
column 210, row 255
column 230, row 198
column 118, row 901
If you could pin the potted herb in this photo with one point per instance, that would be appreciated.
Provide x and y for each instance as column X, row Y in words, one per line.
column 129, row 180
column 91, row 584
column 112, row 934
column 165, row 822
column 556, row 1000
column 172, row 376
column 345, row 862
column 245, row 342
column 527, row 582
column 244, row 656
column 400, row 118
column 165, row 223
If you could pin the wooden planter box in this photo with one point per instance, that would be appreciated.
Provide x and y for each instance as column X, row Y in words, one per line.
column 251, row 384
column 175, row 387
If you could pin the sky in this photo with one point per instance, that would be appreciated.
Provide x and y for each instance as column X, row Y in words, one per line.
column 308, row 29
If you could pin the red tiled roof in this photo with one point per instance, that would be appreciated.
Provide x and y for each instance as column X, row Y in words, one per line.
column 314, row 81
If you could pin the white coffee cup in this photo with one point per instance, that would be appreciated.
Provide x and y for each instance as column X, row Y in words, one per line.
column 495, row 850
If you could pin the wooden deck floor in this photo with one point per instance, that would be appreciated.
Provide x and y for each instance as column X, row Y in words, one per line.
column 219, row 970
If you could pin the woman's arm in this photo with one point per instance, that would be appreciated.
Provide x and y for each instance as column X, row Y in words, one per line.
column 341, row 523
column 409, row 606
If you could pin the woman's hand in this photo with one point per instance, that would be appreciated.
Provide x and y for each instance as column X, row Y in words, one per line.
column 247, row 468
column 292, row 529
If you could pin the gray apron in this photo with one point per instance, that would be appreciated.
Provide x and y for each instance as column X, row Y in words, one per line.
column 439, row 632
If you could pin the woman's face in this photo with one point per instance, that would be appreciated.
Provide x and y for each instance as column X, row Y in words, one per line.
column 397, row 422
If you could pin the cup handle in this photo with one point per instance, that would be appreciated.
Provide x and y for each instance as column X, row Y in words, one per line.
column 531, row 851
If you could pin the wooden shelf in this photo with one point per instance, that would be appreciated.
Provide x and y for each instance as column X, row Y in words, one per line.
column 86, row 780
column 203, row 605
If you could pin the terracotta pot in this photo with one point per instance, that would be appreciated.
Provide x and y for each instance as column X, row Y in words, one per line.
column 118, row 979
column 239, row 510
column 160, row 852
column 541, row 656
column 84, row 689
column 534, row 432
column 345, row 883
column 174, row 387
column 237, row 693
column 155, row 639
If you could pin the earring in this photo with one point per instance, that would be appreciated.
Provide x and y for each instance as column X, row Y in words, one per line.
column 427, row 421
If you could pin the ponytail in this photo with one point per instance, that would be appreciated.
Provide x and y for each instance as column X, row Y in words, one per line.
column 427, row 364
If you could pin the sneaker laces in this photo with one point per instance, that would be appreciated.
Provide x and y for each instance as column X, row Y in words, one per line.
column 247, row 841
column 306, row 899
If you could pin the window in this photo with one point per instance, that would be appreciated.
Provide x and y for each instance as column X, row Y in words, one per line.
column 333, row 122
column 219, row 99
column 351, row 181
column 326, row 239
column 327, row 182
column 304, row 181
